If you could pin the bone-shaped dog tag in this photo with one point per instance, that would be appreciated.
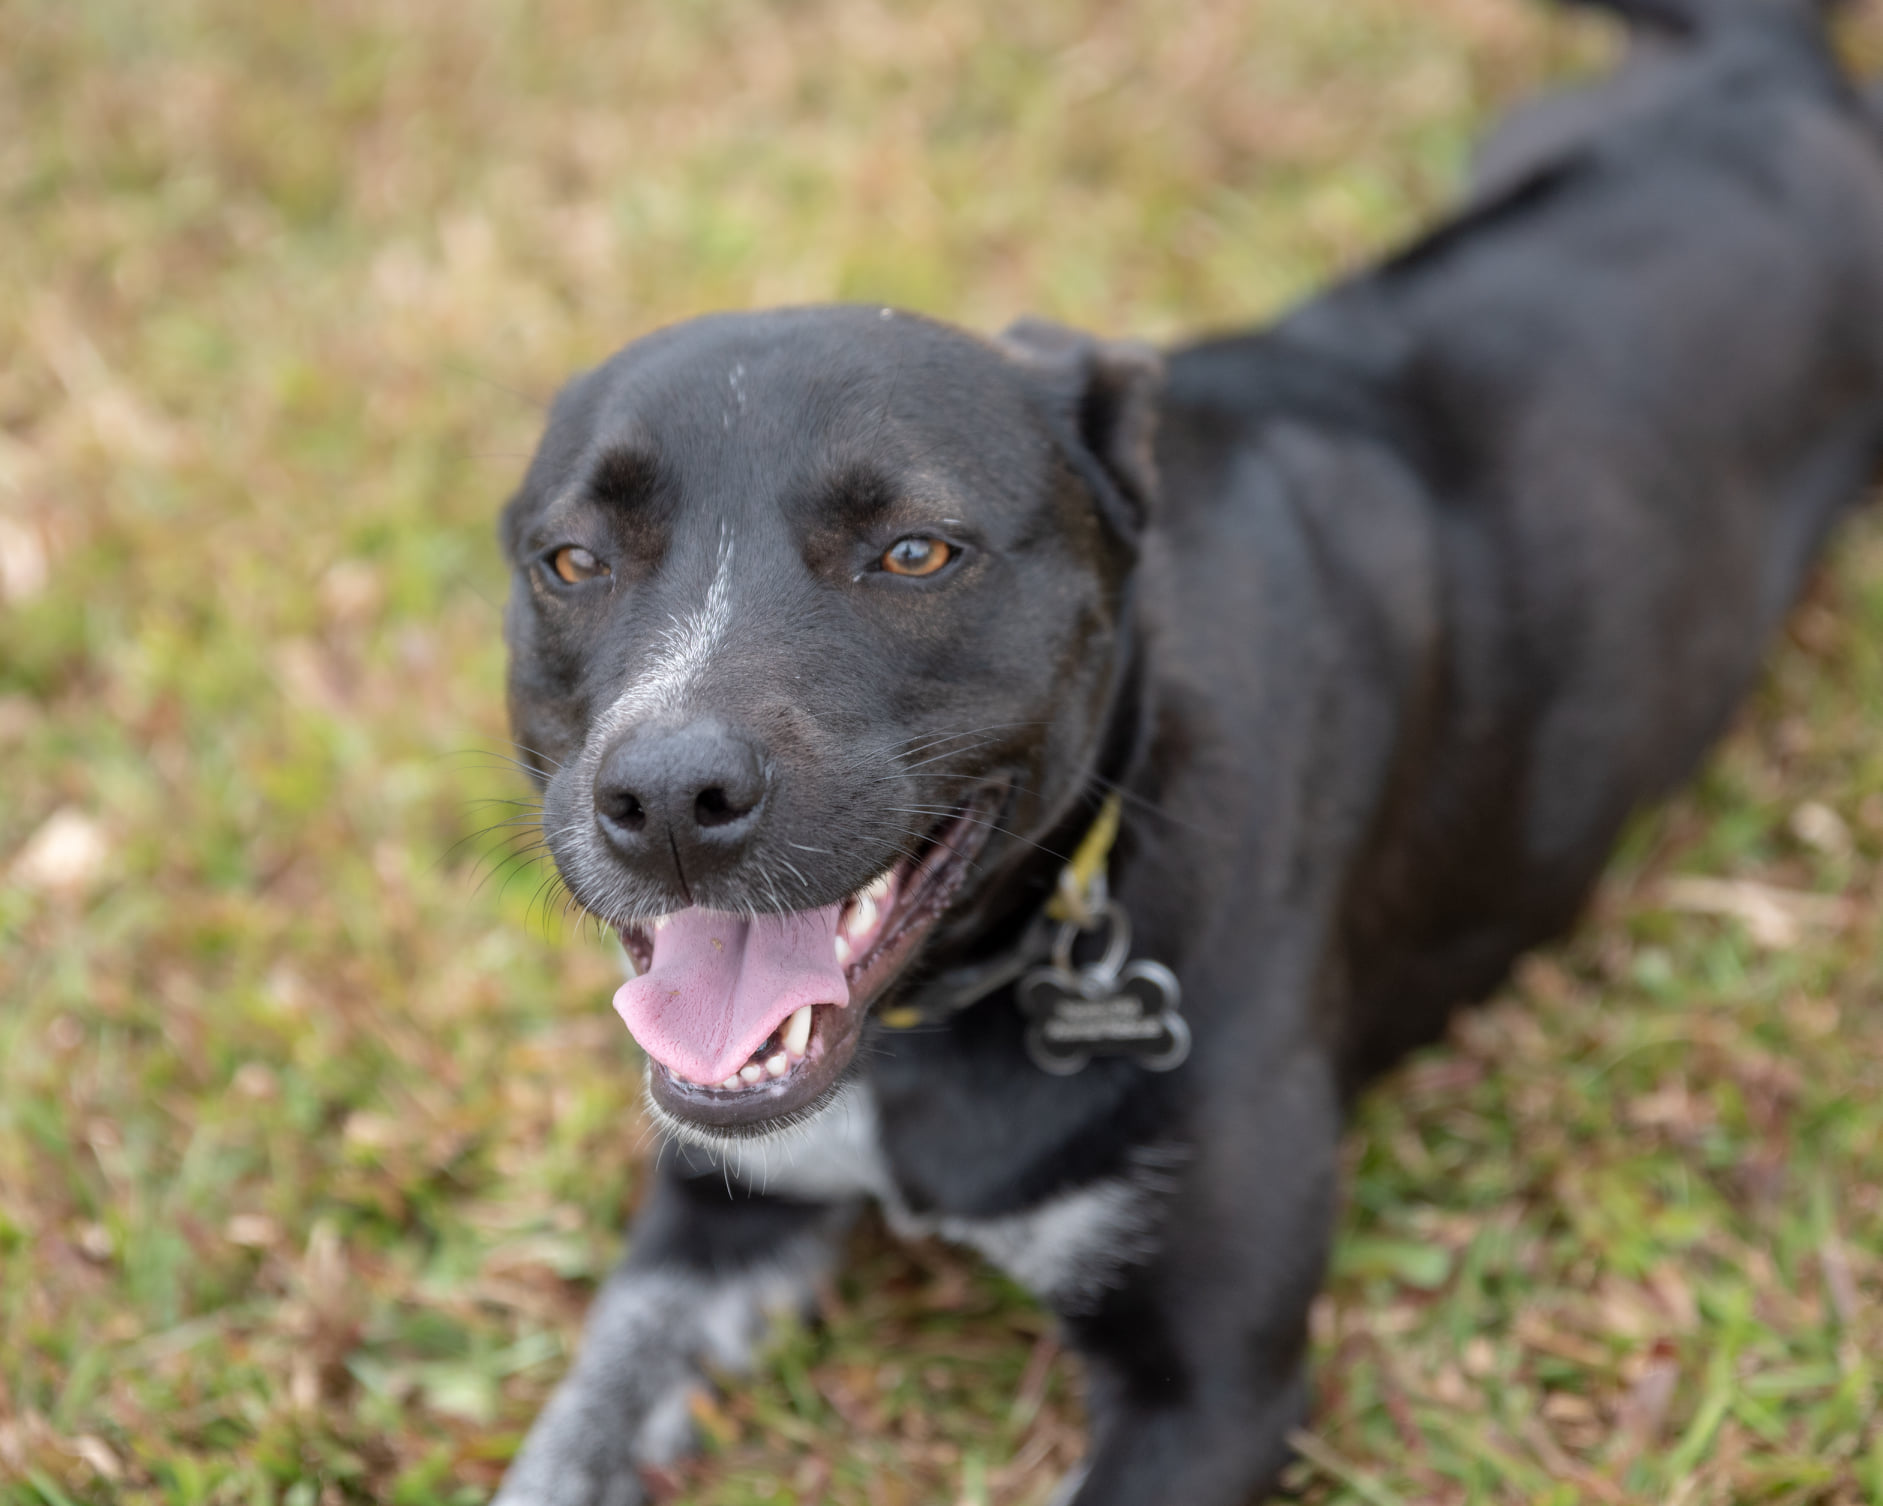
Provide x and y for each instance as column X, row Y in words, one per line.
column 1077, row 1013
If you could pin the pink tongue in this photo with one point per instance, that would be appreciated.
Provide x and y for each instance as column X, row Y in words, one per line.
column 719, row 984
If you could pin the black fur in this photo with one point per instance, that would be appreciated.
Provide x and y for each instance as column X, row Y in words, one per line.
column 1410, row 602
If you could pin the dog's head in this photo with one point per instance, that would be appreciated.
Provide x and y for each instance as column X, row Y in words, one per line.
column 814, row 634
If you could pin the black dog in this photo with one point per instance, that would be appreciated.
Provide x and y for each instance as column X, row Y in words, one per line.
column 1039, row 782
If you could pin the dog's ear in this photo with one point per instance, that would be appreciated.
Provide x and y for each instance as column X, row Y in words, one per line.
column 1105, row 392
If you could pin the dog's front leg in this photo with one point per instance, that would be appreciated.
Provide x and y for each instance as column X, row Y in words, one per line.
column 708, row 1263
column 1196, row 1355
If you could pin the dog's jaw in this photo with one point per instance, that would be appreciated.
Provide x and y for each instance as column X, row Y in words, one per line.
column 804, row 1058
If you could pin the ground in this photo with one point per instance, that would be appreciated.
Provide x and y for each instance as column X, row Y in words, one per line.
column 316, row 1130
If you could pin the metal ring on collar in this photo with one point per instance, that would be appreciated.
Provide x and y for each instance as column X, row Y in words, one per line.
column 1117, row 942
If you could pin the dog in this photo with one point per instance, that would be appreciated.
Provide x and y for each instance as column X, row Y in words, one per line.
column 1039, row 781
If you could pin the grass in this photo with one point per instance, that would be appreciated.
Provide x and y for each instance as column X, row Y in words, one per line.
column 315, row 1128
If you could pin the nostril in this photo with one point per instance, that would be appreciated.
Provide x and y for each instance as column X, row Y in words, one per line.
column 714, row 807
column 622, row 808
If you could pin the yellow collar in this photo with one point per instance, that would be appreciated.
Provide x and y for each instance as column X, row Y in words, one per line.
column 1077, row 900
column 1080, row 894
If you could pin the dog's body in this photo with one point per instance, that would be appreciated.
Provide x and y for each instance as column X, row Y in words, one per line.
column 1426, row 589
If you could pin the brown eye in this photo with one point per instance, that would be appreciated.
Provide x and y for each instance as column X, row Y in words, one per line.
column 575, row 564
column 917, row 555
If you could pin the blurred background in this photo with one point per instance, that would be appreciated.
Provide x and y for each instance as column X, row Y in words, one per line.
column 316, row 1129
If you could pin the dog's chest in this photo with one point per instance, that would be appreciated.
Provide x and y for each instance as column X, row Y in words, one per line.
column 837, row 1156
column 1067, row 1248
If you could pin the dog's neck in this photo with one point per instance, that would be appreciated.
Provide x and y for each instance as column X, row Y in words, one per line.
column 1116, row 753
column 1025, row 939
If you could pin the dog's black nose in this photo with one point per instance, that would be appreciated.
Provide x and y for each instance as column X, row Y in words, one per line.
column 689, row 794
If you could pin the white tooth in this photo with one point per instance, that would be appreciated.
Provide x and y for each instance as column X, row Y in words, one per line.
column 732, row 1083
column 877, row 887
column 843, row 950
column 798, row 1031
column 862, row 918
column 778, row 1065
column 660, row 924
column 751, row 1072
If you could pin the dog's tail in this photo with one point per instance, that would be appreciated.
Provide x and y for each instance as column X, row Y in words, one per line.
column 1695, row 18
column 1696, row 21
column 1549, row 131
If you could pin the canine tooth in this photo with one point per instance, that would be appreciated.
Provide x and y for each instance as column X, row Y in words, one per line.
column 732, row 1083
column 778, row 1065
column 862, row 918
column 877, row 887
column 798, row 1031
column 843, row 949
column 751, row 1072
column 659, row 923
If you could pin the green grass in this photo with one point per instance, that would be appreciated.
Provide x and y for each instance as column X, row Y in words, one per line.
column 316, row 1130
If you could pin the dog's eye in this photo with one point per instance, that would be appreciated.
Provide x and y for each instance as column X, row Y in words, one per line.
column 916, row 555
column 575, row 564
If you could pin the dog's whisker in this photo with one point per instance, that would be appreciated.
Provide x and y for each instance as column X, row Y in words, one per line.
column 992, row 826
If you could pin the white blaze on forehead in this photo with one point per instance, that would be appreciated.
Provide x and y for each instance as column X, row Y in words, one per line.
column 684, row 649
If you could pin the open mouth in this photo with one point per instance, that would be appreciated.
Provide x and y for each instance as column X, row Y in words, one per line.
column 749, row 1020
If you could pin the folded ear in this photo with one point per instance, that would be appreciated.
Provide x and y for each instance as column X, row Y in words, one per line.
column 1105, row 392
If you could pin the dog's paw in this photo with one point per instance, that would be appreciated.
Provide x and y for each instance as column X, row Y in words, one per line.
column 570, row 1471
column 577, row 1488
column 585, row 1452
column 1069, row 1487
column 628, row 1400
column 627, row 1404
